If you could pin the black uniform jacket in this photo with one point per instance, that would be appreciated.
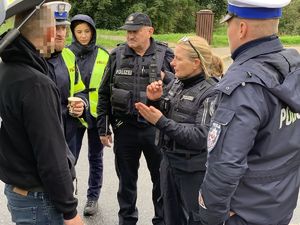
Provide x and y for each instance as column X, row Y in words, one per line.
column 33, row 151
column 187, row 106
column 104, row 108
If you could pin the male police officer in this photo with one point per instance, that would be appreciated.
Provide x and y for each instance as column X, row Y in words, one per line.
column 33, row 151
column 253, row 172
column 66, row 75
column 132, row 66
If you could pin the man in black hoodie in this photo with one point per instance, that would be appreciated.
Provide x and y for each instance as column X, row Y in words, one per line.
column 33, row 152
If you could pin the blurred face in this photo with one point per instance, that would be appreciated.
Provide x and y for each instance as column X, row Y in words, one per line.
column 60, row 38
column 83, row 33
column 45, row 44
column 139, row 39
column 184, row 66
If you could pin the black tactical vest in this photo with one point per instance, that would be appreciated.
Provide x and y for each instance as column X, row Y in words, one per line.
column 182, row 106
column 132, row 75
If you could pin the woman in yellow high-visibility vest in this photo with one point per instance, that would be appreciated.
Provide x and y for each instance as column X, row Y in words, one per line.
column 91, row 60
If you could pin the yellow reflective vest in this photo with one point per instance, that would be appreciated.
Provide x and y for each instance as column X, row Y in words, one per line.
column 96, row 77
column 76, row 84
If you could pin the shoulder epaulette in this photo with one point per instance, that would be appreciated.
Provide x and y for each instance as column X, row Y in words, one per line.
column 162, row 43
column 120, row 44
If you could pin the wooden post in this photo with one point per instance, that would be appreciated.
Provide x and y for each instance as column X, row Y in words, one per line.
column 205, row 24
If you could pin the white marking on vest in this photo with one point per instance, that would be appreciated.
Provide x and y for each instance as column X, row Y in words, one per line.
column 288, row 117
column 0, row 122
column 189, row 98
column 124, row 72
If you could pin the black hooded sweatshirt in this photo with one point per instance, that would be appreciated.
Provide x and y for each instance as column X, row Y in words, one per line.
column 33, row 151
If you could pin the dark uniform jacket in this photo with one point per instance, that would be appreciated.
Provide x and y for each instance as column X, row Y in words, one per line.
column 124, row 83
column 187, row 106
column 33, row 151
column 85, row 58
column 60, row 75
column 253, row 143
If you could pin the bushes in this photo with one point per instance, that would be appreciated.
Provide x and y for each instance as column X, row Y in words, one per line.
column 169, row 16
column 290, row 22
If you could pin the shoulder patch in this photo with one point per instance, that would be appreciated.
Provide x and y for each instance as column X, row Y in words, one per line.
column 213, row 136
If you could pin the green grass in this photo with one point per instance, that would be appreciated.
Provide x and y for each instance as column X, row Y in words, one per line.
column 290, row 40
column 110, row 38
column 111, row 32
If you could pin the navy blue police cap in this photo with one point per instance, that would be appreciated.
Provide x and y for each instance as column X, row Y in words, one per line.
column 135, row 21
column 255, row 9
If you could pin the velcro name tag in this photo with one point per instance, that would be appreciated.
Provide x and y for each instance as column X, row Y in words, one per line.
column 189, row 98
column 124, row 72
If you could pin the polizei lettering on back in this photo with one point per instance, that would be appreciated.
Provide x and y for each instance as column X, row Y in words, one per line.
column 287, row 117
column 124, row 72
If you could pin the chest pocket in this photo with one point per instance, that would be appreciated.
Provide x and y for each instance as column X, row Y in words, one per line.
column 185, row 109
column 218, row 128
column 123, row 77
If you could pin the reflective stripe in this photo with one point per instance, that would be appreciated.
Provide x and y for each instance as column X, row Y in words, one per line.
column 70, row 61
column 83, row 122
column 75, row 87
column 96, row 77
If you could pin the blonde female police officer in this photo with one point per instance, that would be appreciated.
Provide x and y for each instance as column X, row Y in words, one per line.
column 253, row 172
column 186, row 108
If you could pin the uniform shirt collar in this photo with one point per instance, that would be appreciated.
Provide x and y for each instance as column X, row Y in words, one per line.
column 150, row 51
column 251, row 44
column 191, row 81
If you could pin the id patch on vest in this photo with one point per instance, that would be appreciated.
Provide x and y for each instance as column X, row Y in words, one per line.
column 124, row 72
column 213, row 136
column 187, row 97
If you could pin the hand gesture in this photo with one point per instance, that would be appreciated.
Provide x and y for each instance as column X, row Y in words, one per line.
column 154, row 90
column 151, row 114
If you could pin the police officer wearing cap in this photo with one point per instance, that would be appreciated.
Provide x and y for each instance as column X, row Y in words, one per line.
column 253, row 168
column 65, row 73
column 131, row 67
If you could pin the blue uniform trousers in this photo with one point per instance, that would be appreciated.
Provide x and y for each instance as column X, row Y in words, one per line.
column 95, row 156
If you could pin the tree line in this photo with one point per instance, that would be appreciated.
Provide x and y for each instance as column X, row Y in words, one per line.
column 169, row 16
